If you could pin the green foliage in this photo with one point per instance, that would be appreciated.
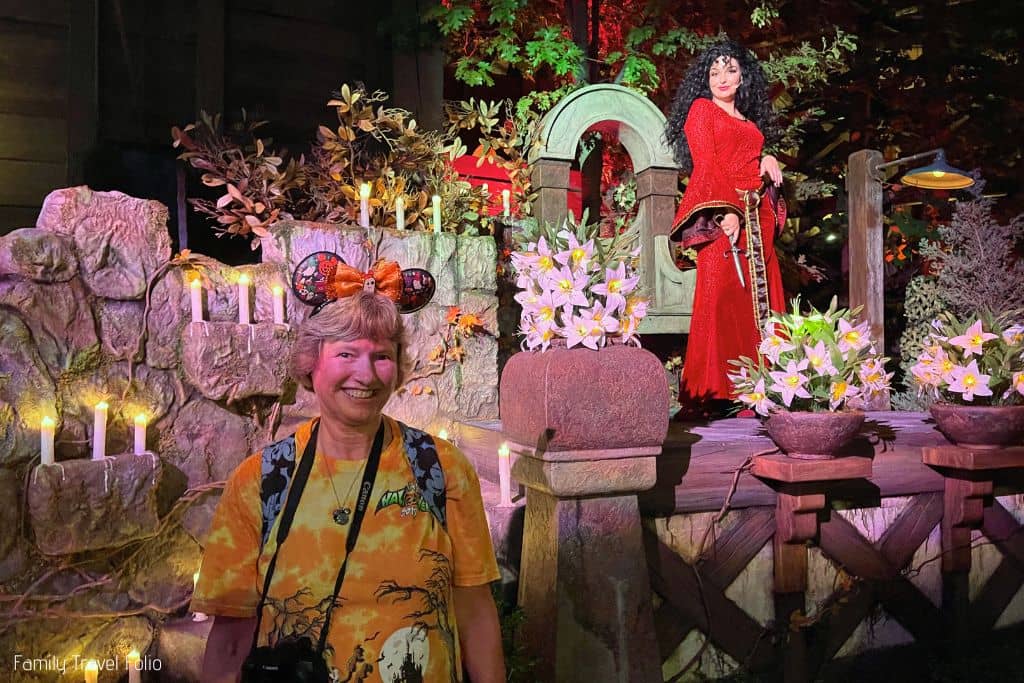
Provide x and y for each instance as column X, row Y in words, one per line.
column 552, row 48
column 922, row 305
column 809, row 66
column 83, row 362
column 519, row 665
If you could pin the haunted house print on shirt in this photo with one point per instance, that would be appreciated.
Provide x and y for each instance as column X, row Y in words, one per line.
column 394, row 620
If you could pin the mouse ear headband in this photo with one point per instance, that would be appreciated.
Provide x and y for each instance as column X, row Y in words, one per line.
column 324, row 277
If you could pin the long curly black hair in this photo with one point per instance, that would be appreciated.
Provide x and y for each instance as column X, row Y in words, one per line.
column 751, row 98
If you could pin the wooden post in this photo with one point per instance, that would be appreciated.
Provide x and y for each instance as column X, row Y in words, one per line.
column 83, row 86
column 867, row 262
column 210, row 22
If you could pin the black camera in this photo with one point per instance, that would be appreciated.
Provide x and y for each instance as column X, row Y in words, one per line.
column 295, row 661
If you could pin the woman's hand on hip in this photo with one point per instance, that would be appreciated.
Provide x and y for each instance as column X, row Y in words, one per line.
column 770, row 167
column 730, row 225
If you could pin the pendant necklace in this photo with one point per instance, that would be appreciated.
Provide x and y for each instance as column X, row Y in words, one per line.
column 343, row 513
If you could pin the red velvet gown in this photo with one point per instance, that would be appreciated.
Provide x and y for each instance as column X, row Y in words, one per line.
column 726, row 156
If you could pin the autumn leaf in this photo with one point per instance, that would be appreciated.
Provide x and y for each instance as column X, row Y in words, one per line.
column 453, row 314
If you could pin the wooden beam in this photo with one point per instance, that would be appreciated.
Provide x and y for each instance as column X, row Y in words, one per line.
column 904, row 536
column 1000, row 527
column 727, row 626
column 83, row 86
column 738, row 545
column 841, row 541
column 995, row 595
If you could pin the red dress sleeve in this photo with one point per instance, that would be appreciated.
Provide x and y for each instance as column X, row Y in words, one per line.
column 710, row 190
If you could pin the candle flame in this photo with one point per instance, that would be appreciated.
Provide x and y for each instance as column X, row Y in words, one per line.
column 503, row 450
column 443, row 434
column 48, row 422
column 278, row 290
column 133, row 656
column 436, row 199
column 196, row 283
column 364, row 191
column 243, row 279
column 141, row 419
column 92, row 665
column 102, row 405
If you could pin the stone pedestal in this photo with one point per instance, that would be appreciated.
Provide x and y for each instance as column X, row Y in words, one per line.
column 583, row 584
column 586, row 428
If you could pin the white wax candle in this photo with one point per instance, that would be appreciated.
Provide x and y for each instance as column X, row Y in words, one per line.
column 140, row 434
column 99, row 431
column 196, row 292
column 243, row 299
column 364, row 205
column 437, row 214
column 505, row 474
column 506, row 203
column 92, row 671
column 400, row 213
column 131, row 662
column 46, row 428
column 278, row 292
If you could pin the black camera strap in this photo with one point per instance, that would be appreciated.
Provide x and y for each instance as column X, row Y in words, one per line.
column 294, row 494
column 362, row 502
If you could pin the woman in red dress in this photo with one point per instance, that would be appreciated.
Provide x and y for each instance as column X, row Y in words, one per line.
column 720, row 119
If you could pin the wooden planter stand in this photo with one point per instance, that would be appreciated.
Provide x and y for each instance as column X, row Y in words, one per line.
column 802, row 488
column 968, row 485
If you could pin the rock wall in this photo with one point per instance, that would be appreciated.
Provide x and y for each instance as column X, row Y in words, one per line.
column 93, row 307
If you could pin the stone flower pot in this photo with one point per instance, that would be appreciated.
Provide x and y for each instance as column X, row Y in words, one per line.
column 813, row 436
column 980, row 426
column 580, row 399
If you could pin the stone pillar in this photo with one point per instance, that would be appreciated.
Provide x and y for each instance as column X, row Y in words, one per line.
column 586, row 427
column 551, row 181
column 656, row 190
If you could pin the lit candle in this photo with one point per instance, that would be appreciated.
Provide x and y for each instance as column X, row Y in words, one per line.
column 140, row 434
column 196, row 291
column 400, row 213
column 131, row 661
column 364, row 205
column 437, row 214
column 278, row 291
column 46, row 440
column 197, row 616
column 443, row 434
column 506, row 203
column 505, row 474
column 92, row 671
column 243, row 299
column 99, row 431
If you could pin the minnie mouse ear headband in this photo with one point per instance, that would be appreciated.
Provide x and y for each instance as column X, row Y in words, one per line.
column 323, row 277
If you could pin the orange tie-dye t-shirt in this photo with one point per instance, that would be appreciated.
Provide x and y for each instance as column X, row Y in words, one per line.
column 394, row 620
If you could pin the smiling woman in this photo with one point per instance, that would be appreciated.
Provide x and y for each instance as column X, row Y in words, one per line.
column 354, row 493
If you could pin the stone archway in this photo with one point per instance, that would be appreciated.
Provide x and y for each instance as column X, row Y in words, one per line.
column 641, row 125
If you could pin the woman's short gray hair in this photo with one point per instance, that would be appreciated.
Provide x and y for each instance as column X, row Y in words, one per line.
column 365, row 315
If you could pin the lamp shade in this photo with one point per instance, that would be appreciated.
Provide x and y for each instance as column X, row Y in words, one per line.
column 938, row 176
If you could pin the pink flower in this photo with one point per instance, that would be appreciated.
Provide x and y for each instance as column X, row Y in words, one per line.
column 790, row 383
column 873, row 376
column 1014, row 334
column 1018, row 383
column 581, row 331
column 969, row 381
column 615, row 286
column 840, row 392
column 568, row 287
column 577, row 256
column 820, row 359
column 757, row 399
column 635, row 306
column 606, row 322
column 852, row 338
column 773, row 346
column 972, row 339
